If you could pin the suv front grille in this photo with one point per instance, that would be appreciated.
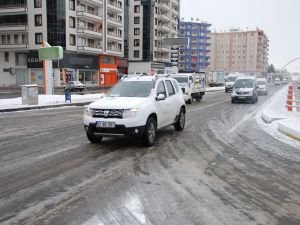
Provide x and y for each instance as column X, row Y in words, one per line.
column 242, row 92
column 107, row 113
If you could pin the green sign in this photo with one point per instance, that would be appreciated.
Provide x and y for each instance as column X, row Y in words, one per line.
column 51, row 53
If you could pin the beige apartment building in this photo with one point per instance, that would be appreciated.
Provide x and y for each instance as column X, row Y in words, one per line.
column 239, row 51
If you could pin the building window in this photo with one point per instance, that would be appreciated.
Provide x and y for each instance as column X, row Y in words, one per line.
column 72, row 39
column 136, row 54
column 155, row 21
column 6, row 56
column 16, row 39
column 37, row 3
column 38, row 38
column 136, row 8
column 136, row 42
column 21, row 59
column 136, row 31
column 72, row 4
column 136, row 20
column 72, row 22
column 38, row 20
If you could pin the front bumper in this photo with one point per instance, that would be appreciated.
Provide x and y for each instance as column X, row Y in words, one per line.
column 118, row 131
column 243, row 98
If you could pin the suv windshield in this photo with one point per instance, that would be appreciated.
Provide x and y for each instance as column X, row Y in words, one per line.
column 140, row 89
column 181, row 79
column 244, row 83
column 231, row 79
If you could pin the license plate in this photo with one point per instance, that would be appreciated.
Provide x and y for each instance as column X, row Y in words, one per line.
column 102, row 124
column 242, row 97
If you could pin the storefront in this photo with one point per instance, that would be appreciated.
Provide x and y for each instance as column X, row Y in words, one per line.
column 108, row 70
column 72, row 67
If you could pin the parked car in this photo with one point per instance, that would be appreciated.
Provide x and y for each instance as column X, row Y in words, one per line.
column 136, row 107
column 262, row 86
column 277, row 81
column 244, row 89
column 75, row 86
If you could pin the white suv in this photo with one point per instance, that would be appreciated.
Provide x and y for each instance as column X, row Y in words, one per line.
column 136, row 107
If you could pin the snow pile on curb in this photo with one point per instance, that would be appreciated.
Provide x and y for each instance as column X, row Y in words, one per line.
column 45, row 100
column 287, row 123
column 290, row 128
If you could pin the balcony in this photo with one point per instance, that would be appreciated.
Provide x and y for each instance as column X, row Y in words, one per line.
column 163, row 49
column 164, row 7
column 164, row 27
column 115, row 21
column 163, row 59
column 89, row 15
column 114, row 7
column 92, row 48
column 13, row 45
column 114, row 36
column 89, row 32
column 13, row 27
column 114, row 50
column 93, row 2
column 163, row 17
column 175, row 3
column 13, row 9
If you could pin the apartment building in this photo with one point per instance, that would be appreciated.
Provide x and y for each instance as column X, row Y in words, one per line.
column 240, row 51
column 90, row 31
column 195, row 57
column 149, row 23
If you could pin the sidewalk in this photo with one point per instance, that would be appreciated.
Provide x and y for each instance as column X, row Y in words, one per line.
column 47, row 101
column 288, row 122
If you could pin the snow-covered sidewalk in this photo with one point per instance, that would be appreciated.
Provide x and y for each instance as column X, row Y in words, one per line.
column 276, row 115
column 48, row 100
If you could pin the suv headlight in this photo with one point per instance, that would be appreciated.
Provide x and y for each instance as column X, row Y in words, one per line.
column 88, row 112
column 129, row 113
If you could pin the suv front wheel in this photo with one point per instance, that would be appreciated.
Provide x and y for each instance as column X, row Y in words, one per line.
column 93, row 138
column 149, row 136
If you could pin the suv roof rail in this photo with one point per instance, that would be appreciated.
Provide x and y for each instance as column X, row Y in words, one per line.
column 161, row 75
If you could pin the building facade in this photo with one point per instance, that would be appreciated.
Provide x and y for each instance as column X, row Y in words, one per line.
column 195, row 57
column 91, row 33
column 240, row 51
column 149, row 23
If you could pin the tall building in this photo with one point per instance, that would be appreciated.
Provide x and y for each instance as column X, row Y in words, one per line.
column 240, row 51
column 195, row 57
column 149, row 23
column 90, row 31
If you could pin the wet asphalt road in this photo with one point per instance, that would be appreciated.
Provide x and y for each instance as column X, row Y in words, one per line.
column 223, row 169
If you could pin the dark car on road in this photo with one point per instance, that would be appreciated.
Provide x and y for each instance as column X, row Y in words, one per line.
column 75, row 86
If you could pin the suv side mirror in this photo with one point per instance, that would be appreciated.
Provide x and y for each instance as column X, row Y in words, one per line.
column 160, row 97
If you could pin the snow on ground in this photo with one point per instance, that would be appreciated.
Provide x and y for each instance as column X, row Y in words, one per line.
column 215, row 88
column 48, row 100
column 275, row 113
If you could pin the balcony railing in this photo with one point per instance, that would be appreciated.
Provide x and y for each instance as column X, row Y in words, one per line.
column 111, row 48
column 114, row 34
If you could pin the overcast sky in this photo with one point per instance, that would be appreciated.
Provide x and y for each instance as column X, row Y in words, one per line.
column 280, row 19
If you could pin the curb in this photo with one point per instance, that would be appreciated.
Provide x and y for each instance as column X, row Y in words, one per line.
column 284, row 128
column 43, row 107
